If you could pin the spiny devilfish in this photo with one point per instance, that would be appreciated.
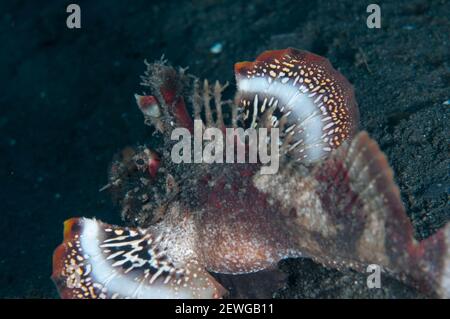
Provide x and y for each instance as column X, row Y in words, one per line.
column 334, row 199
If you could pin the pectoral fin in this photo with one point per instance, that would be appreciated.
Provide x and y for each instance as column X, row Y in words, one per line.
column 97, row 260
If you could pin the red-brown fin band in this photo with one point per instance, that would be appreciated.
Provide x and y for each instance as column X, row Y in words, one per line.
column 297, row 80
column 97, row 260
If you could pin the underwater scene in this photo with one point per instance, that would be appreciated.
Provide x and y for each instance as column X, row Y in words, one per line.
column 225, row 149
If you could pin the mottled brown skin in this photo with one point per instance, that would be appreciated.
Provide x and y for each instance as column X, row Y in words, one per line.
column 240, row 231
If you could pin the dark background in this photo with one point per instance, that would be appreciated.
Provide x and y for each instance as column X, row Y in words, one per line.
column 67, row 106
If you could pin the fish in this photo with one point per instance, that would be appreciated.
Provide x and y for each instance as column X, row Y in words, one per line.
column 334, row 198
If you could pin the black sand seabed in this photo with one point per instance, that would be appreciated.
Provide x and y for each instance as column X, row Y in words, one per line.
column 67, row 105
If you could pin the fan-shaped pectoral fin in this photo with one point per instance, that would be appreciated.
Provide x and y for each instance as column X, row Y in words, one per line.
column 97, row 260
